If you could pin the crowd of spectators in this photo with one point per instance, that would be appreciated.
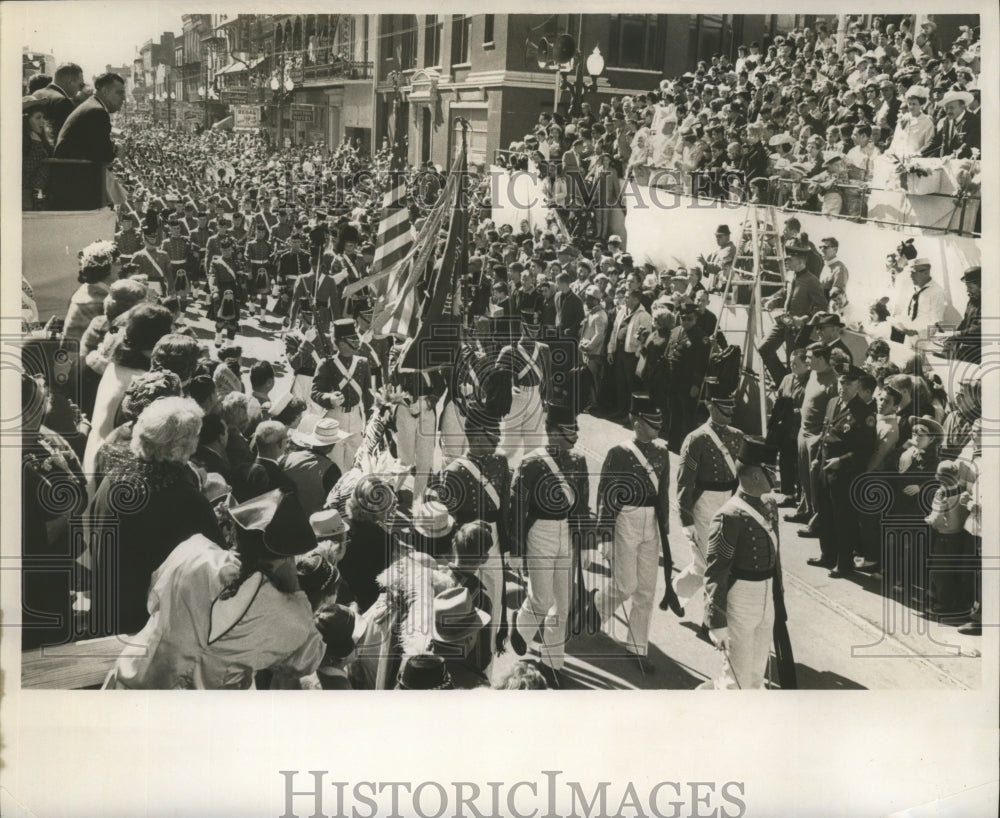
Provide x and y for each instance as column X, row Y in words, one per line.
column 797, row 122
column 195, row 455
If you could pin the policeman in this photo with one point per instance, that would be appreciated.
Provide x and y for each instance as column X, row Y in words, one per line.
column 706, row 479
column 549, row 499
column 687, row 358
column 342, row 386
column 225, row 292
column 528, row 363
column 846, row 443
column 742, row 570
column 634, row 501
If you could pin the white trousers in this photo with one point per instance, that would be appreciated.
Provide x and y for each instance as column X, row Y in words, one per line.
column 353, row 421
column 416, row 428
column 452, row 434
column 547, row 602
column 750, row 615
column 635, row 563
column 523, row 428
column 691, row 580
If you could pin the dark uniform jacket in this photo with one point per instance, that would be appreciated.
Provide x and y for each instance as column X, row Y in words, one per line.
column 536, row 494
column 626, row 481
column 461, row 486
column 849, row 436
column 738, row 548
column 687, row 355
column 356, row 390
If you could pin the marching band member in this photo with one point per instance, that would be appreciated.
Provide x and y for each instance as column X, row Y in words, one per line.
column 292, row 265
column 225, row 292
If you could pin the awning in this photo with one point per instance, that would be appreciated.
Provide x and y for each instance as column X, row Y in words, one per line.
column 223, row 124
column 238, row 67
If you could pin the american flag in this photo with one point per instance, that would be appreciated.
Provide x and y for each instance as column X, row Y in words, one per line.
column 394, row 239
column 398, row 313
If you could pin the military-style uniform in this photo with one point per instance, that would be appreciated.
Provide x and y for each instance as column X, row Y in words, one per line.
column 266, row 218
column 212, row 249
column 634, row 499
column 739, row 587
column 687, row 356
column 128, row 242
column 227, row 297
column 549, row 497
column 258, row 255
column 155, row 265
column 477, row 488
column 529, row 364
column 416, row 422
column 350, row 377
column 198, row 239
column 178, row 250
column 292, row 265
column 706, row 479
column 845, row 445
column 318, row 300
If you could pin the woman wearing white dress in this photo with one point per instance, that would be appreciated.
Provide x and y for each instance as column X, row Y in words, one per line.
column 915, row 129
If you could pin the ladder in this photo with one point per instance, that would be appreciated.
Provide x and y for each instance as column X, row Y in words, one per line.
column 759, row 253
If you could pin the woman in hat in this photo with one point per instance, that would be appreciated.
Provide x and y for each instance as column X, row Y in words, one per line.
column 99, row 267
column 915, row 129
column 37, row 145
column 217, row 617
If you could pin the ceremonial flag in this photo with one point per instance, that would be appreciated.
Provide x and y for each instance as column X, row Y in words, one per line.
column 436, row 341
column 394, row 239
column 400, row 311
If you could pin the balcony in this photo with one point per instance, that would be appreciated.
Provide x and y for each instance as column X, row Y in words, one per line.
column 324, row 71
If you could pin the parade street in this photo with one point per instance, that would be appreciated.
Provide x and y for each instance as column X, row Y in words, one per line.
column 839, row 631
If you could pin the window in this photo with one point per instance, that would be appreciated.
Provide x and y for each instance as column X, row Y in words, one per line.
column 461, row 30
column 634, row 41
column 432, row 41
column 409, row 41
column 487, row 28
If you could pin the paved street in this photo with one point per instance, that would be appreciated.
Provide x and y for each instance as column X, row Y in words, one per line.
column 837, row 626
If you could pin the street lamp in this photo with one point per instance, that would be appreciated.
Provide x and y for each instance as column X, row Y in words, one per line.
column 282, row 89
column 206, row 93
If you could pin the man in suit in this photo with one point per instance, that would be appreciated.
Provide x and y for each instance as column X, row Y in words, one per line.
column 959, row 131
column 86, row 134
column 569, row 308
column 266, row 473
column 58, row 95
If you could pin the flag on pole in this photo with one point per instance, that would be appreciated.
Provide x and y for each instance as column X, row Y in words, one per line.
column 442, row 308
column 398, row 311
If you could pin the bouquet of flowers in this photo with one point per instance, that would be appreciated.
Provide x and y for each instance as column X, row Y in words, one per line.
column 917, row 174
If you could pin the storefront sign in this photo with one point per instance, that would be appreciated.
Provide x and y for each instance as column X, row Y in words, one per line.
column 302, row 113
column 246, row 116
column 236, row 96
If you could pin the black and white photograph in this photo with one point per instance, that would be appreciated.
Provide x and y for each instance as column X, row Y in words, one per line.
column 640, row 359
